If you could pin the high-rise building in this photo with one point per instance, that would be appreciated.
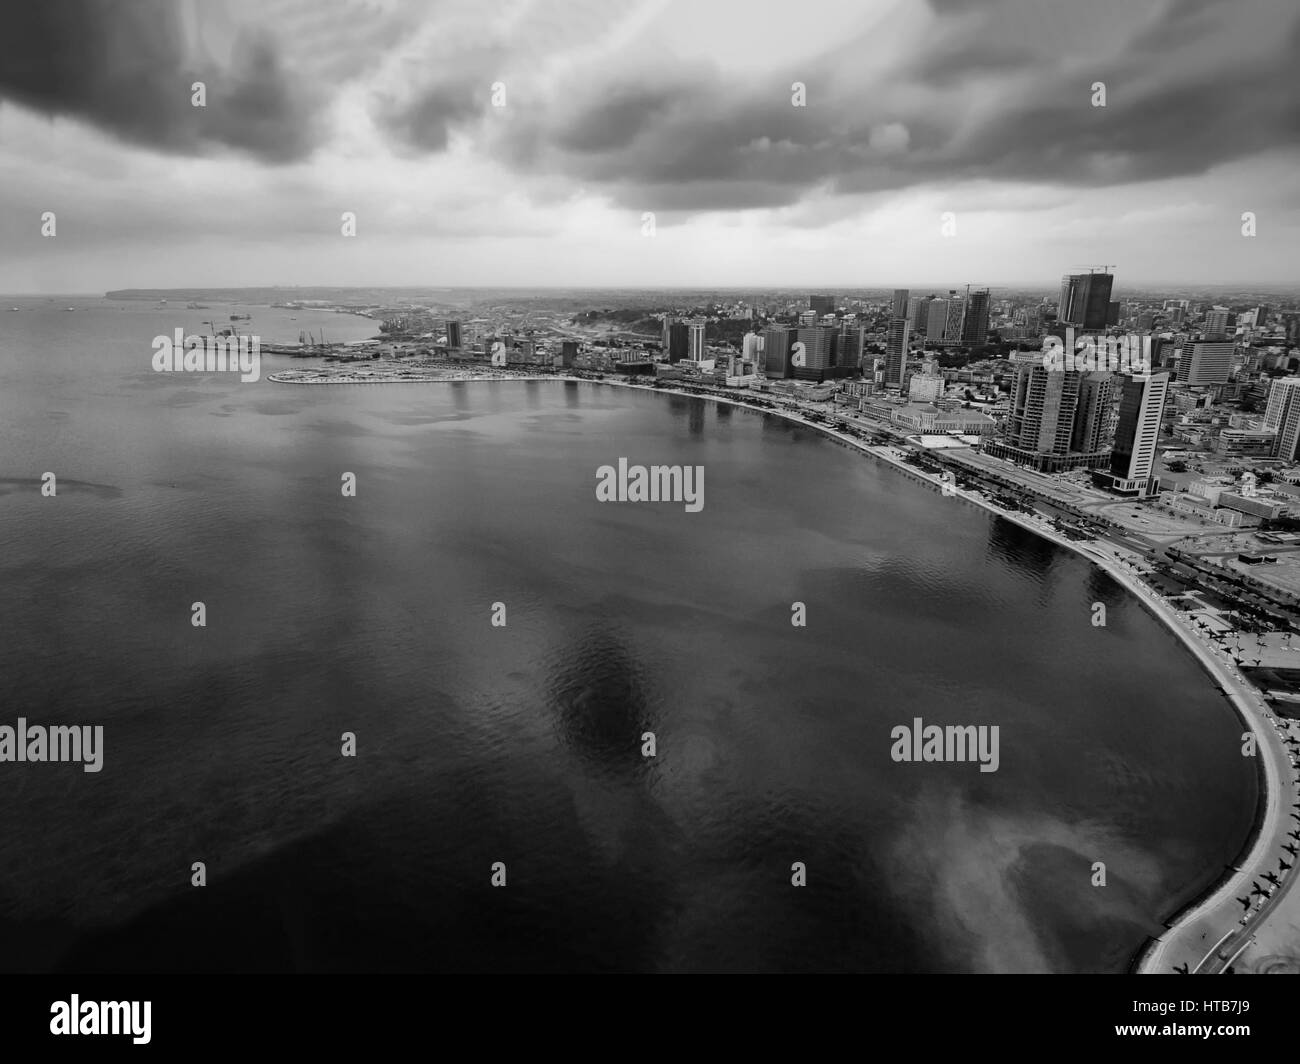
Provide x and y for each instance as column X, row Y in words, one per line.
column 812, row 353
column 1282, row 415
column 849, row 346
column 1041, row 427
column 777, row 342
column 1253, row 318
column 453, row 335
column 920, row 315
column 936, row 317
column 1043, row 407
column 1112, row 312
column 1085, row 299
column 1216, row 324
column 952, row 325
column 1206, row 363
column 896, row 352
column 1133, row 456
column 676, row 340
column 751, row 346
column 900, row 304
column 821, row 305
column 975, row 328
column 695, row 341
column 1092, row 417
column 1163, row 352
column 568, row 353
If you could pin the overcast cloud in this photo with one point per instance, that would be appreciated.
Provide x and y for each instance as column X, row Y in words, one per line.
column 612, row 109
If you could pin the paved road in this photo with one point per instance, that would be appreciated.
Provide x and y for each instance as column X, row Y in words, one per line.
column 1217, row 918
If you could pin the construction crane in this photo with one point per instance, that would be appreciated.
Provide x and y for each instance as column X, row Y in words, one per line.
column 1092, row 267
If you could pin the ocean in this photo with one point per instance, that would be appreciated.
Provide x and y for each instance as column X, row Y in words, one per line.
column 482, row 746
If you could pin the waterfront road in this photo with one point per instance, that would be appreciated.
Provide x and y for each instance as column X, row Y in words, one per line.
column 1208, row 936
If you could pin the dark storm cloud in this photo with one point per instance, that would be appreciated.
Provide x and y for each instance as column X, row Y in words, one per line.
column 681, row 138
column 453, row 91
column 425, row 123
column 949, row 62
column 1180, row 129
column 125, row 68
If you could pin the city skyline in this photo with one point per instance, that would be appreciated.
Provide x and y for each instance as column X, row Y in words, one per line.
column 500, row 146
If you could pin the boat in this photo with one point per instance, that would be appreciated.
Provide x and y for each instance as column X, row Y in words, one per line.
column 12, row 309
column 194, row 306
column 69, row 308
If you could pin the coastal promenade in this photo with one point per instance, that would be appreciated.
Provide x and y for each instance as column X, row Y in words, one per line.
column 1212, row 933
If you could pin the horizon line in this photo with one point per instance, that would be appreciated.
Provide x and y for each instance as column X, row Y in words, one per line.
column 813, row 289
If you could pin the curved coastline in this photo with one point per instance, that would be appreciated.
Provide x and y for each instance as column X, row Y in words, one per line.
column 1152, row 955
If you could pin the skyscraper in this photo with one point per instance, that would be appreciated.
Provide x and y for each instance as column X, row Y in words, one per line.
column 1216, row 324
column 822, row 304
column 1133, row 456
column 900, row 304
column 695, row 341
column 1283, row 415
column 1043, row 407
column 918, row 314
column 676, row 340
column 953, row 319
column 1092, row 417
column 896, row 352
column 453, row 335
column 811, row 360
column 849, row 345
column 975, row 328
column 1085, row 299
column 1206, row 363
column 1042, row 427
column 936, row 317
column 776, row 350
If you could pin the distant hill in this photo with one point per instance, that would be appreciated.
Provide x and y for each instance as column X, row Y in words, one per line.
column 356, row 296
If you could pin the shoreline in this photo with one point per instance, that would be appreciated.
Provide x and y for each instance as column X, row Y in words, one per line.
column 1244, row 700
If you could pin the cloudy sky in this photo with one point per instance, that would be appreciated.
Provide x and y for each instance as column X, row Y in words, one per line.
column 615, row 108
